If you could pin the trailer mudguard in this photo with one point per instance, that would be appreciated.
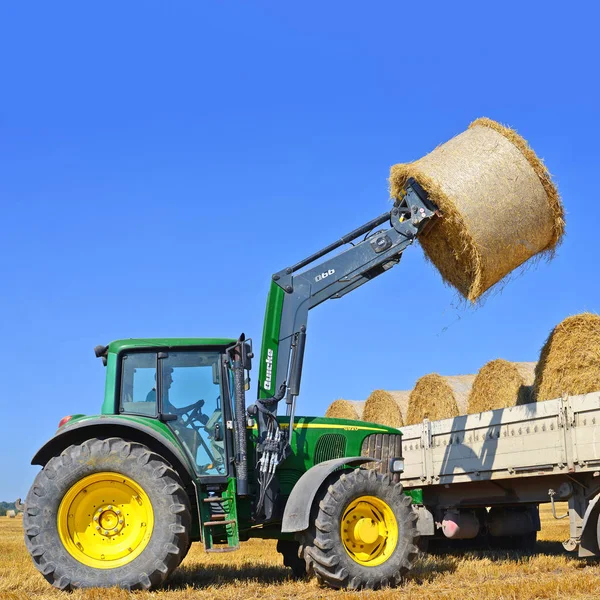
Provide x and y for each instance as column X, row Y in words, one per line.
column 589, row 544
column 297, row 509
column 101, row 427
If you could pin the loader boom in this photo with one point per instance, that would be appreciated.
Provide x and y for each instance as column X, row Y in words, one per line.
column 299, row 288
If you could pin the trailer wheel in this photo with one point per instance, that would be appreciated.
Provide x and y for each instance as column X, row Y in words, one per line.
column 524, row 519
column 523, row 543
column 363, row 532
column 107, row 513
column 289, row 549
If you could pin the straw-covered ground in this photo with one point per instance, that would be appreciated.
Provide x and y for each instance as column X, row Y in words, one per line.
column 256, row 572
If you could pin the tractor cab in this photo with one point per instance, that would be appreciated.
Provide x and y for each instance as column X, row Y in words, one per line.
column 187, row 389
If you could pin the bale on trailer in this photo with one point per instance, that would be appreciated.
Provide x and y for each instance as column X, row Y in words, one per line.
column 570, row 359
column 500, row 384
column 386, row 407
column 345, row 409
column 498, row 202
column 436, row 397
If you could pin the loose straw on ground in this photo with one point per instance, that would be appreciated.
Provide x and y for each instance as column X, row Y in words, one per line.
column 500, row 384
column 345, row 409
column 570, row 359
column 498, row 202
column 386, row 407
column 436, row 397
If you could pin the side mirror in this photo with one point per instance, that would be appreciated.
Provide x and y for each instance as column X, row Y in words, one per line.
column 101, row 352
column 247, row 355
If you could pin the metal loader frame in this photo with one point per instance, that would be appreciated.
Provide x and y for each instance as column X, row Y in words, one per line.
column 291, row 297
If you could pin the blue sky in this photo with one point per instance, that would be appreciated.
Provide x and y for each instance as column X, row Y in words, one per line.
column 159, row 161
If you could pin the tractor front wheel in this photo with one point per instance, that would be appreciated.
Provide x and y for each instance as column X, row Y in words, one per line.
column 107, row 513
column 363, row 532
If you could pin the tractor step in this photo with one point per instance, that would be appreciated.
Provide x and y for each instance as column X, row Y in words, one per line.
column 218, row 508
column 213, row 523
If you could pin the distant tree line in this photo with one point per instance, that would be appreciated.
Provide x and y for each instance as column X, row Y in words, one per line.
column 4, row 506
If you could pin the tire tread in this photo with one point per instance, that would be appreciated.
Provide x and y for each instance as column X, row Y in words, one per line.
column 324, row 558
column 54, row 562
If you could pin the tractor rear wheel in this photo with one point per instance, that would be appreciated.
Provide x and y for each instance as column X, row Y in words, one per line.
column 107, row 513
column 363, row 532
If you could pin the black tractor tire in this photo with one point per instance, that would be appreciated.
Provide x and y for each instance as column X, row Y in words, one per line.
column 165, row 545
column 290, row 549
column 322, row 546
column 526, row 542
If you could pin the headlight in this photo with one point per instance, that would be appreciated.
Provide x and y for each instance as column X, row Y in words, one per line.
column 396, row 465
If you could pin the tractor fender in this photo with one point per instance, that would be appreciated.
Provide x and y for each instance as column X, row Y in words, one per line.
column 100, row 427
column 297, row 509
column 589, row 541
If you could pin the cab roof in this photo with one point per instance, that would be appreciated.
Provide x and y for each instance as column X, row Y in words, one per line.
column 133, row 343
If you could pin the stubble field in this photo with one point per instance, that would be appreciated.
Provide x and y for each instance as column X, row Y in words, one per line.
column 256, row 571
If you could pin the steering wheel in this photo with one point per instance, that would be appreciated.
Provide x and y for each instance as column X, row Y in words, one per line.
column 190, row 414
column 192, row 417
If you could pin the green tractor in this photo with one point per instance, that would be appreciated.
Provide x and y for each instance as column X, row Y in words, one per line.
column 176, row 456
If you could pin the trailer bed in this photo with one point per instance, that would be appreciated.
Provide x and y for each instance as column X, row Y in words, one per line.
column 555, row 437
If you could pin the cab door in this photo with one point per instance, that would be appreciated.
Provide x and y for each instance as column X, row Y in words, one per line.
column 191, row 402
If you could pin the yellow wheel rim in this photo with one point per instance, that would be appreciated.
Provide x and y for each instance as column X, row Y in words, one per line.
column 369, row 531
column 105, row 520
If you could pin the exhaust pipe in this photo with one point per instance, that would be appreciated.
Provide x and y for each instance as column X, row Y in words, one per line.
column 239, row 355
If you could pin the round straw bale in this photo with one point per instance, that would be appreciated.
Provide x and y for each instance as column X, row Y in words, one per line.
column 570, row 359
column 345, row 409
column 386, row 407
column 436, row 397
column 499, row 205
column 500, row 384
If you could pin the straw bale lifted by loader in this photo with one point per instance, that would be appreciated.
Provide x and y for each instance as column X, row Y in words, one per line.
column 172, row 459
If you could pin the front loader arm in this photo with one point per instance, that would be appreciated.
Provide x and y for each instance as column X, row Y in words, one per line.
column 293, row 294
column 267, row 374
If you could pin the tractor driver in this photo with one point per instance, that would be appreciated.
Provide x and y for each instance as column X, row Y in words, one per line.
column 167, row 381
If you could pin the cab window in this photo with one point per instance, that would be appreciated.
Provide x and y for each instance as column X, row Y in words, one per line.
column 138, row 384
